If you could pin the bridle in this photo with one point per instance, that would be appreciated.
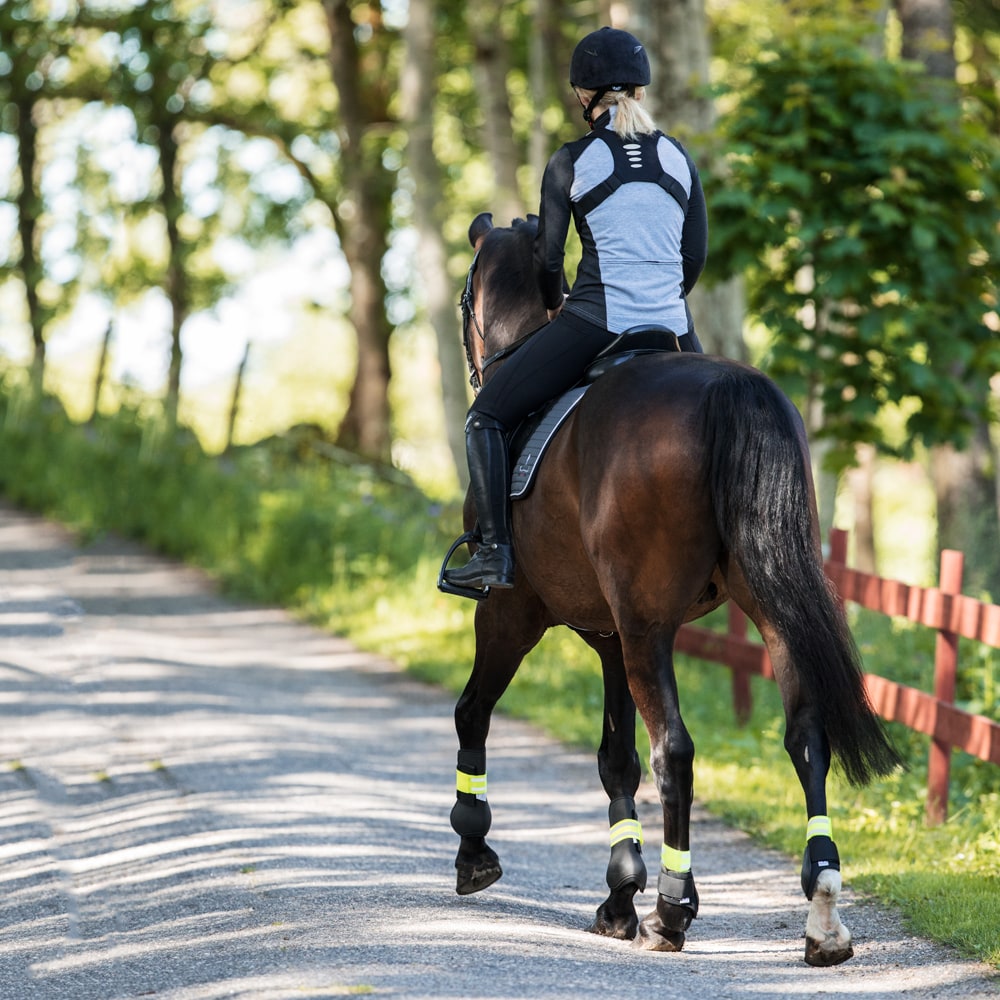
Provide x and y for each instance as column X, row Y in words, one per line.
column 470, row 321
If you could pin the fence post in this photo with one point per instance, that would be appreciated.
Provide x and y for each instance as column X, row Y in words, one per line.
column 945, row 670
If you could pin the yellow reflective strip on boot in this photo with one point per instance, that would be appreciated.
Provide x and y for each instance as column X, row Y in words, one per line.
column 626, row 829
column 471, row 784
column 819, row 826
column 674, row 860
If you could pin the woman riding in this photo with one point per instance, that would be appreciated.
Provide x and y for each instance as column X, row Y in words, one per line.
column 636, row 200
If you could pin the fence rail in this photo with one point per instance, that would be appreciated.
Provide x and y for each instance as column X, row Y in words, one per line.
column 943, row 608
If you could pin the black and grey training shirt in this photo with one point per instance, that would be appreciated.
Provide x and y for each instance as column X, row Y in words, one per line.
column 640, row 211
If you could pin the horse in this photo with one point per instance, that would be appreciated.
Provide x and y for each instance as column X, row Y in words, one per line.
column 678, row 482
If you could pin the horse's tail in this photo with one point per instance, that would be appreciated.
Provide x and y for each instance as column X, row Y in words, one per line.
column 761, row 491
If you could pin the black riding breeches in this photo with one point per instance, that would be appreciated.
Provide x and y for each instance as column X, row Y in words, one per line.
column 551, row 362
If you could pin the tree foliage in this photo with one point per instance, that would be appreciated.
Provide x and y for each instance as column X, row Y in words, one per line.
column 859, row 204
column 848, row 192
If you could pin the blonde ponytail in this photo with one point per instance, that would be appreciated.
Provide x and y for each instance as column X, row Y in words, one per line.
column 631, row 119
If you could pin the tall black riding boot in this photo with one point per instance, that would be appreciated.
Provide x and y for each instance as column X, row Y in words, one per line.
column 489, row 471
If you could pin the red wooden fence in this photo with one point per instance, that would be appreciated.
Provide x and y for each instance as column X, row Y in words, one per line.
column 943, row 608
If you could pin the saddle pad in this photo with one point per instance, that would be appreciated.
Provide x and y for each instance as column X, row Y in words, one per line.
column 550, row 420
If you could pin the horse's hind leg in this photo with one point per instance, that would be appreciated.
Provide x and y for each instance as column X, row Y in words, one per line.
column 828, row 941
column 506, row 630
column 650, row 668
column 618, row 766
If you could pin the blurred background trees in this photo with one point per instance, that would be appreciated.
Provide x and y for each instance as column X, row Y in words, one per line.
column 295, row 178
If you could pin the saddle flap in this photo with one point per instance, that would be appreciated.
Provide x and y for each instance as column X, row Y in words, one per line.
column 534, row 437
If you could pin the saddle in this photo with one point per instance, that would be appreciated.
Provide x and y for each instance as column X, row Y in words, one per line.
column 531, row 439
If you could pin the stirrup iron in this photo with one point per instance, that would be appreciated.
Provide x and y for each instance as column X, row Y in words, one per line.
column 450, row 588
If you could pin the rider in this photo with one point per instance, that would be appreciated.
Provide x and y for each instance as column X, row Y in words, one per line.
column 636, row 200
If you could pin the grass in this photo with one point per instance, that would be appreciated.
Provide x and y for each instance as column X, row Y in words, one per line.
column 359, row 554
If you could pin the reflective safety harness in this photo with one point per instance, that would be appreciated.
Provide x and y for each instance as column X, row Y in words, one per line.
column 630, row 165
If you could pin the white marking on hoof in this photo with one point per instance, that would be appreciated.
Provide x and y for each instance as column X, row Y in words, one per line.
column 828, row 941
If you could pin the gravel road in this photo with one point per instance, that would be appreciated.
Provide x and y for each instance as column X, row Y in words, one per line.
column 201, row 799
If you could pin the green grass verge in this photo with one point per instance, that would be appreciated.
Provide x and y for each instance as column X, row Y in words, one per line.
column 359, row 553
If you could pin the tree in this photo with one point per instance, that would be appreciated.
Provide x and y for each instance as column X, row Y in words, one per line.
column 964, row 482
column 418, row 110
column 362, row 65
column 491, row 67
column 929, row 35
column 853, row 199
column 32, row 61
column 681, row 99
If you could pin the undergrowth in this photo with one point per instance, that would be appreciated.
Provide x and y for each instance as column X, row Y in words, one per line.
column 358, row 552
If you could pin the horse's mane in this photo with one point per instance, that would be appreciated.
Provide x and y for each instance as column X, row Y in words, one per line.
column 511, row 297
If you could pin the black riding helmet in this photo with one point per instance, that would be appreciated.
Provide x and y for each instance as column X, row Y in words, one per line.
column 608, row 59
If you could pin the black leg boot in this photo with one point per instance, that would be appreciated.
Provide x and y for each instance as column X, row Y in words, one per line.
column 489, row 471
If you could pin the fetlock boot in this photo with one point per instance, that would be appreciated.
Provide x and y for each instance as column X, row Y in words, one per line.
column 492, row 565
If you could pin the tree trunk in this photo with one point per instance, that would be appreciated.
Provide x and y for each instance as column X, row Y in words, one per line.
column 675, row 34
column 542, row 69
column 28, row 210
column 102, row 370
column 862, row 480
column 417, row 90
column 994, row 440
column 363, row 88
column 234, row 405
column 176, row 278
column 492, row 63
column 928, row 35
column 965, row 489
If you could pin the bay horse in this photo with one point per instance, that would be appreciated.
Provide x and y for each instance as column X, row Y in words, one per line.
column 679, row 481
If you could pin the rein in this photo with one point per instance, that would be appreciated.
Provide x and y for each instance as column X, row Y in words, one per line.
column 471, row 320
column 468, row 313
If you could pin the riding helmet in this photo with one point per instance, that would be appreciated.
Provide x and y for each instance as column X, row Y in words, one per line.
column 611, row 59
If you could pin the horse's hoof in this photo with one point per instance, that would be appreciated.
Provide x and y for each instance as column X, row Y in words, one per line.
column 621, row 928
column 655, row 936
column 619, row 932
column 653, row 941
column 616, row 916
column 830, row 951
column 473, row 878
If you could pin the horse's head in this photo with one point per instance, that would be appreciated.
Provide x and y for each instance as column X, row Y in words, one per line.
column 502, row 302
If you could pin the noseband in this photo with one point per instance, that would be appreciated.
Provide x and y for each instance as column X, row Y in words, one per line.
column 470, row 320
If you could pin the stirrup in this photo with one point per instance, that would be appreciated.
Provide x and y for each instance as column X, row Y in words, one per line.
column 445, row 587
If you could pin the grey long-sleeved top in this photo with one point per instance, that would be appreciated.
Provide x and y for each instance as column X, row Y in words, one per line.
column 640, row 211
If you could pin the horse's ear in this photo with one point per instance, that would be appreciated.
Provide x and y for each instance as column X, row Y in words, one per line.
column 481, row 225
column 533, row 219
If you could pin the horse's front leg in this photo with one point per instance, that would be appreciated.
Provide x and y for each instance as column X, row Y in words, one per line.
column 620, row 772
column 507, row 627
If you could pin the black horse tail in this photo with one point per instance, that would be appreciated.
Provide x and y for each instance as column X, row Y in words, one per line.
column 760, row 487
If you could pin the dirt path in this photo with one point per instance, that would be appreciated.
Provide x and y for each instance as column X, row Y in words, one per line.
column 203, row 800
